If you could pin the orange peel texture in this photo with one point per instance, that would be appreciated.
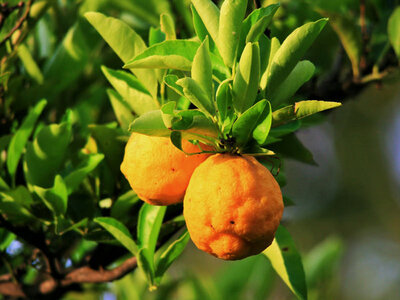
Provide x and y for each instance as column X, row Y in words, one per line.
column 156, row 170
column 232, row 207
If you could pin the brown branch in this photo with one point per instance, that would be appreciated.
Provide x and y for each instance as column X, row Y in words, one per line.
column 364, row 35
column 77, row 276
column 35, row 239
column 19, row 22
column 6, row 11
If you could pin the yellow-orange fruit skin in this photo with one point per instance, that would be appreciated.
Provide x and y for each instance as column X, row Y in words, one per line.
column 156, row 170
column 232, row 206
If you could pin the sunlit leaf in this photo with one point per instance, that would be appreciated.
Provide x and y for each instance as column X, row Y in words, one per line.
column 131, row 89
column 30, row 64
column 394, row 30
column 302, row 73
column 119, row 232
column 257, row 115
column 74, row 179
column 286, row 261
column 230, row 22
column 246, row 81
column 56, row 198
column 168, row 26
column 225, row 105
column 121, row 108
column 209, row 14
column 301, row 110
column 197, row 95
column 125, row 42
column 46, row 154
column 170, row 255
column 148, row 228
column 272, row 49
column 202, row 69
column 291, row 51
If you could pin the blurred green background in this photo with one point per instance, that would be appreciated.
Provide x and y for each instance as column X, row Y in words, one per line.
column 346, row 221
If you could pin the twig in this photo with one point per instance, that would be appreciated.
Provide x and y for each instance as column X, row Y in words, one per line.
column 5, row 11
column 19, row 22
column 78, row 276
column 35, row 239
column 364, row 35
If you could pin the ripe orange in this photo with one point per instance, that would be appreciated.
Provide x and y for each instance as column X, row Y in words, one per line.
column 233, row 206
column 156, row 170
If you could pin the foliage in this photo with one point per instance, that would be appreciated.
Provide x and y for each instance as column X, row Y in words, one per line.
column 63, row 129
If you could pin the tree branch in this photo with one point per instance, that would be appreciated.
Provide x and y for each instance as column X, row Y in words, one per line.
column 19, row 22
column 77, row 276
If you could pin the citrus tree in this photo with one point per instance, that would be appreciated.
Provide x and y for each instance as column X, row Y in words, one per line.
column 196, row 94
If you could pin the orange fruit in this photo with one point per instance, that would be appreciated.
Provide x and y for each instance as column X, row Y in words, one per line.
column 232, row 207
column 156, row 170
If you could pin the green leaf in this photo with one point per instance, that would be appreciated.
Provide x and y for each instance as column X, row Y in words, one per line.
column 146, row 264
column 230, row 22
column 170, row 81
column 202, row 69
column 286, row 261
column 394, row 30
column 119, row 232
column 194, row 125
column 170, row 255
column 3, row 185
column 197, row 95
column 322, row 260
column 29, row 63
column 257, row 22
column 167, row 26
column 200, row 28
column 300, row 110
column 209, row 14
column 176, row 139
column 131, row 89
column 168, row 114
column 121, row 108
column 69, row 59
column 291, row 51
column 109, row 141
column 302, row 73
column 290, row 146
column 155, row 36
column 225, row 105
column 56, row 197
column 247, row 77
column 150, row 123
column 285, row 129
column 273, row 48
column 74, row 179
column 148, row 228
column 260, row 133
column 16, row 204
column 350, row 36
column 177, row 55
column 122, row 208
column 251, row 119
column 45, row 156
column 21, row 136
column 125, row 42
column 5, row 239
